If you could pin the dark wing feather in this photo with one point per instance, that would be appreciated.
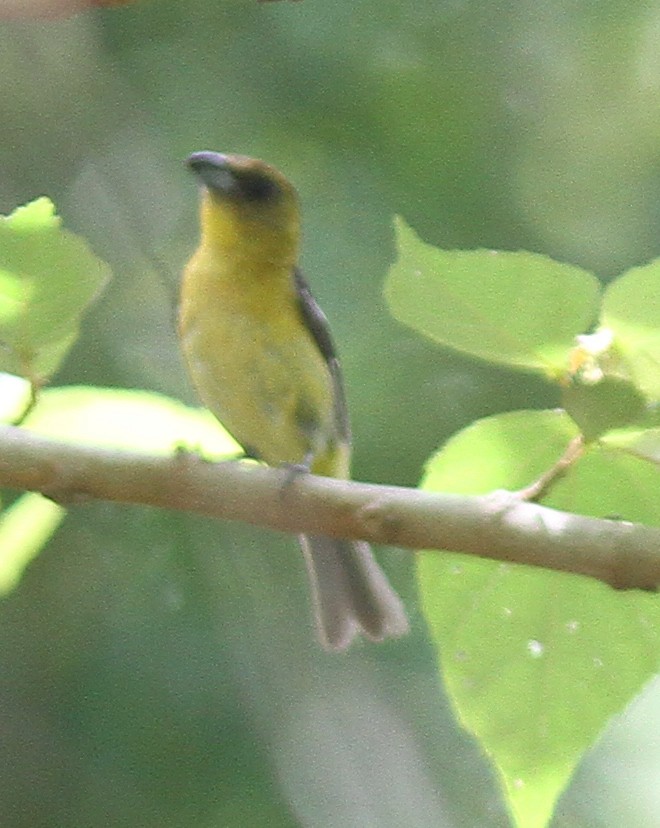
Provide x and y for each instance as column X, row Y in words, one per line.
column 317, row 324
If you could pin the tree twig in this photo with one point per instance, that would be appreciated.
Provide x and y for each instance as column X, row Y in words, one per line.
column 540, row 487
column 499, row 526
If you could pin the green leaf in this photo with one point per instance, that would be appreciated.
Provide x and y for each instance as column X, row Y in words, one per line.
column 25, row 527
column 47, row 278
column 537, row 662
column 136, row 420
column 519, row 309
column 14, row 397
column 604, row 405
column 631, row 309
column 642, row 443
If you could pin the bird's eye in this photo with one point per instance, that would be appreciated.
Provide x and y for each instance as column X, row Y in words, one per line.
column 257, row 187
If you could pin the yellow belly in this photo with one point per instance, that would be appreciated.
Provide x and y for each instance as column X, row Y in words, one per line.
column 257, row 368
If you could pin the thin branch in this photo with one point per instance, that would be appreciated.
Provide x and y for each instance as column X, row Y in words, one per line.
column 500, row 526
column 541, row 487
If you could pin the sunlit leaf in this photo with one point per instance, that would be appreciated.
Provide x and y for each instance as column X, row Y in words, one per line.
column 136, row 420
column 537, row 662
column 519, row 309
column 14, row 397
column 25, row 527
column 631, row 309
column 47, row 278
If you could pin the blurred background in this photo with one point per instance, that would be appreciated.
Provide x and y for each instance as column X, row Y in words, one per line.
column 161, row 670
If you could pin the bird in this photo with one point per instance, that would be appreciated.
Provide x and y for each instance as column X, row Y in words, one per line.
column 260, row 354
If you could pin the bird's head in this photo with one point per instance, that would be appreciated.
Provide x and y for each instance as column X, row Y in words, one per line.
column 243, row 195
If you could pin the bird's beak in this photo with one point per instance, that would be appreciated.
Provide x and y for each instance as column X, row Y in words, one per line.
column 213, row 169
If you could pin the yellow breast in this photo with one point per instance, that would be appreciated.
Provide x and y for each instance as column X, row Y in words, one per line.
column 253, row 362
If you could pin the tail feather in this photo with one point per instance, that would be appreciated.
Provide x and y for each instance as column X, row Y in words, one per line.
column 350, row 592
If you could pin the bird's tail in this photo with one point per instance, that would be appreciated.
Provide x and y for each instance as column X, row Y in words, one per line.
column 350, row 592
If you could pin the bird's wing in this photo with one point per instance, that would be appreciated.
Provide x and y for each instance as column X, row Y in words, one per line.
column 317, row 324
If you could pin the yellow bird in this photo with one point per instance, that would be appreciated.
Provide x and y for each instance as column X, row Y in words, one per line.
column 260, row 354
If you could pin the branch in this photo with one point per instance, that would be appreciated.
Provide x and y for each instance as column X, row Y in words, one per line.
column 499, row 526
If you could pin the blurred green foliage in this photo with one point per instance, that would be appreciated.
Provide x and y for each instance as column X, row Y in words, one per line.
column 160, row 670
column 47, row 278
